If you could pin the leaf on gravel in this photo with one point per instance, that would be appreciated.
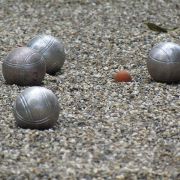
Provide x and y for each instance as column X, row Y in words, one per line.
column 155, row 27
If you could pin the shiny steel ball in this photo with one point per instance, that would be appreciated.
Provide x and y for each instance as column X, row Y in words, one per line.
column 164, row 62
column 36, row 108
column 52, row 49
column 24, row 66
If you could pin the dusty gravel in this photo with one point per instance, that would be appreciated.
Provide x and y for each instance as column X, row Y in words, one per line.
column 106, row 130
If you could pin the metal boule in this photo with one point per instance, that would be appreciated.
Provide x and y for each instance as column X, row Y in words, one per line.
column 36, row 108
column 24, row 66
column 52, row 49
column 164, row 62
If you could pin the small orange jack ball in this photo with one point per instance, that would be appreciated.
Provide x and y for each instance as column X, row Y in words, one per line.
column 122, row 76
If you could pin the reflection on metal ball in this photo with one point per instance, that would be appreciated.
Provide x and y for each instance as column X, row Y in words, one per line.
column 52, row 49
column 164, row 62
column 24, row 66
column 36, row 108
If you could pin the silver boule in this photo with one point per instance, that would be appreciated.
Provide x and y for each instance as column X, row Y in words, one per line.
column 164, row 62
column 36, row 108
column 52, row 49
column 24, row 66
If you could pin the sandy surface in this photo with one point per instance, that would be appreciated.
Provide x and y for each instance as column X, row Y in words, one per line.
column 106, row 130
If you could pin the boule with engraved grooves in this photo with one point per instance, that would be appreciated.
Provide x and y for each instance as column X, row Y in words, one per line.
column 24, row 66
column 52, row 49
column 163, row 63
column 36, row 108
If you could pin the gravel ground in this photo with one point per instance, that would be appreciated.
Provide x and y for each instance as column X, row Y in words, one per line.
column 106, row 130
